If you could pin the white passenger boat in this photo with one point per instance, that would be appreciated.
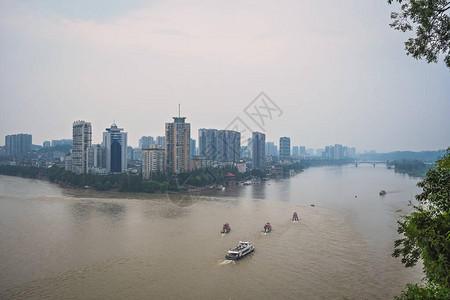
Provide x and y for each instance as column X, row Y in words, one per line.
column 241, row 250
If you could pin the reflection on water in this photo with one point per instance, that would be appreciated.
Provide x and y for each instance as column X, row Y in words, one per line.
column 83, row 210
column 74, row 244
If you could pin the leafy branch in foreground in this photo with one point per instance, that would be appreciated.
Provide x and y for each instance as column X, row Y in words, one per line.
column 426, row 234
column 432, row 21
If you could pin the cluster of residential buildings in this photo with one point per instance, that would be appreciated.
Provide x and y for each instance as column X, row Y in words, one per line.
column 175, row 152
column 18, row 145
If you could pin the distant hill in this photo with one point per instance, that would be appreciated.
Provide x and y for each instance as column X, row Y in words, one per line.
column 426, row 156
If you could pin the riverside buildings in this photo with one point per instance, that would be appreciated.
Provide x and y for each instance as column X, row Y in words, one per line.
column 153, row 160
column 161, row 140
column 18, row 145
column 228, row 146
column 219, row 145
column 295, row 152
column 61, row 142
column 271, row 149
column 97, row 160
column 82, row 139
column 145, row 142
column 193, row 142
column 338, row 152
column 115, row 143
column 285, row 148
column 258, row 150
column 178, row 145
column 207, row 143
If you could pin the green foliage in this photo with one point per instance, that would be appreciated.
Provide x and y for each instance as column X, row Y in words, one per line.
column 107, row 186
column 429, row 292
column 432, row 22
column 411, row 167
column 426, row 231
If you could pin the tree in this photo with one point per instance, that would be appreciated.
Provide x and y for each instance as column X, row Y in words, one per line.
column 432, row 19
column 426, row 234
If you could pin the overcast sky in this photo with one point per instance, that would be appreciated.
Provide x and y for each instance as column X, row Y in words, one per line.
column 334, row 70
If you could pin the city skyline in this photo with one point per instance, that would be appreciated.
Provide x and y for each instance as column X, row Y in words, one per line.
column 337, row 71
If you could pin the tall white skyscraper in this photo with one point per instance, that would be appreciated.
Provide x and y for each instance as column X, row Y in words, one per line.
column 81, row 141
column 115, row 143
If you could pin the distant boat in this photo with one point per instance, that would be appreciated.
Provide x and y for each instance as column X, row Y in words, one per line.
column 382, row 193
column 267, row 228
column 225, row 228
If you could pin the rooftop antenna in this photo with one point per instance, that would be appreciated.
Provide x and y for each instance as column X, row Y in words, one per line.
column 179, row 110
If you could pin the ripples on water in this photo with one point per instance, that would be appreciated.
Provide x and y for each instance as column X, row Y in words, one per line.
column 64, row 247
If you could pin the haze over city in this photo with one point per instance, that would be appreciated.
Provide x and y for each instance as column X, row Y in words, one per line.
column 336, row 70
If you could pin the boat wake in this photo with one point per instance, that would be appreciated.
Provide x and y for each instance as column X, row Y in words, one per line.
column 226, row 262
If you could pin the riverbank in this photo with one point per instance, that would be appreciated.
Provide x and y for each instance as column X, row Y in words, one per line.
column 195, row 181
column 414, row 168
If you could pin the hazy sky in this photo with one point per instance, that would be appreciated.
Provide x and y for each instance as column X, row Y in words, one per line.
column 334, row 69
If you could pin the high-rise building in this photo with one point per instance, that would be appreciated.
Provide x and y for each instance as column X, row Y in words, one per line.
column 250, row 146
column 271, row 149
column 285, row 147
column 319, row 152
column 228, row 146
column 115, row 143
column 192, row 148
column 145, row 142
column 82, row 139
column 302, row 151
column 246, row 153
column 130, row 154
column 338, row 152
column 207, row 143
column 220, row 145
column 161, row 140
column 18, row 145
column 46, row 144
column 137, row 153
column 258, row 150
column 153, row 160
column 352, row 152
column 295, row 152
column 96, row 159
column 178, row 145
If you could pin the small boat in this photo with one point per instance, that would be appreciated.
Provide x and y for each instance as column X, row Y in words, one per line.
column 220, row 188
column 295, row 217
column 267, row 228
column 225, row 228
column 382, row 192
column 241, row 250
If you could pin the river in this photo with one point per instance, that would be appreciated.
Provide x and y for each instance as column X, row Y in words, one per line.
column 78, row 244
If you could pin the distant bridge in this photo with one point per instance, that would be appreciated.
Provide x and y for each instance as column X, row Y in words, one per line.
column 374, row 163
